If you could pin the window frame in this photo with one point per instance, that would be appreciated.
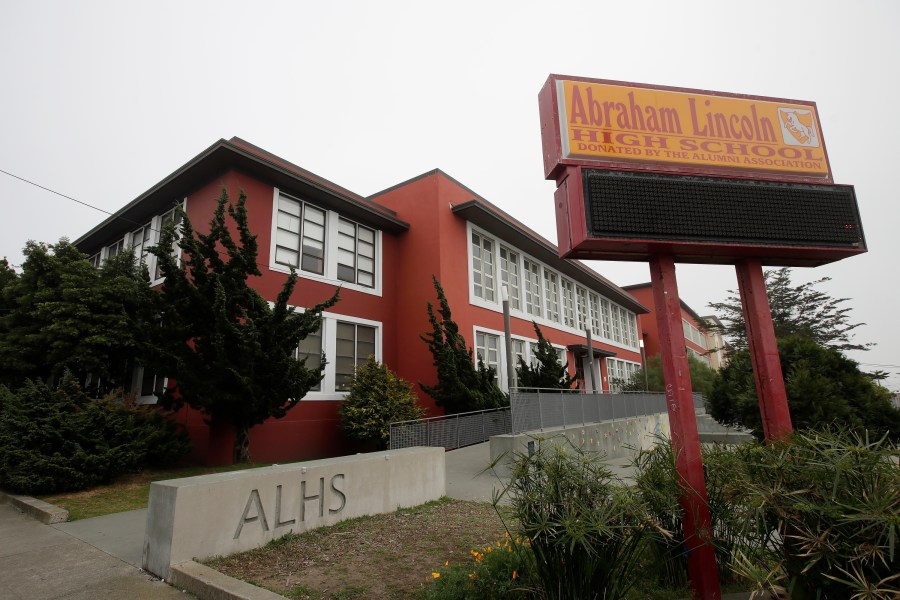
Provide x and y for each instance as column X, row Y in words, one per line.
column 331, row 249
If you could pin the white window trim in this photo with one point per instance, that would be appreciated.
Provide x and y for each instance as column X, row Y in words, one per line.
column 329, row 347
column 331, row 248
column 521, row 313
column 504, row 385
column 156, row 225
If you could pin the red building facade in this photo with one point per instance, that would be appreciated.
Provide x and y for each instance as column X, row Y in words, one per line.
column 382, row 252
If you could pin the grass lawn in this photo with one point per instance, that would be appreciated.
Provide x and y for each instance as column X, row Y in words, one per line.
column 129, row 492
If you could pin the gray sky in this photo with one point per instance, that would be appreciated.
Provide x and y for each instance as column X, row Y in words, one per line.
column 101, row 100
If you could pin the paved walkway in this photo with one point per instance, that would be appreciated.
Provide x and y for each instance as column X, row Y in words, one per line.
column 43, row 562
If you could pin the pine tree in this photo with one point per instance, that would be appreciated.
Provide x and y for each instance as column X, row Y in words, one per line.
column 799, row 310
column 461, row 386
column 231, row 354
column 823, row 388
column 62, row 314
column 548, row 372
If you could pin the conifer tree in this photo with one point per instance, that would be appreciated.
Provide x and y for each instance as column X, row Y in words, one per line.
column 797, row 310
column 231, row 354
column 548, row 372
column 62, row 314
column 461, row 386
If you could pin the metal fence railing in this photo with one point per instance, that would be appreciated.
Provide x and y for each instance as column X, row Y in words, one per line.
column 544, row 409
column 451, row 431
column 529, row 411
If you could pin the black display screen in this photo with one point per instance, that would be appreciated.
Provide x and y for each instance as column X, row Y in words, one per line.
column 657, row 207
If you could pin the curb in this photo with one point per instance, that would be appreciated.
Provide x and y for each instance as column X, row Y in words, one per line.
column 210, row 584
column 36, row 509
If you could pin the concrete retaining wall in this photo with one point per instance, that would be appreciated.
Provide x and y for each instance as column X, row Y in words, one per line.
column 217, row 515
column 615, row 439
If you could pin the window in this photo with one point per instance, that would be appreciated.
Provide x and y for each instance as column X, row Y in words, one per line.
column 605, row 312
column 141, row 240
column 300, row 236
column 551, row 286
column 532, row 287
column 568, row 303
column 595, row 314
column 483, row 267
column 487, row 351
column 355, row 343
column 310, row 354
column 620, row 372
column 632, row 328
column 356, row 253
column 146, row 385
column 165, row 221
column 581, row 297
column 518, row 349
column 114, row 249
column 509, row 276
column 95, row 261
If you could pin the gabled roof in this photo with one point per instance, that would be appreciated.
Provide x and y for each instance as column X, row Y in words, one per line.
column 243, row 156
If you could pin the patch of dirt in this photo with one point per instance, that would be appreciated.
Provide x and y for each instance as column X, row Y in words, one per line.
column 380, row 557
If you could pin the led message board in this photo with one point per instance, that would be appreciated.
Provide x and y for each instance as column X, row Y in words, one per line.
column 706, row 177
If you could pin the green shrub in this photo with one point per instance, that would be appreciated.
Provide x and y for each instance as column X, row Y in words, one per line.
column 657, row 482
column 63, row 440
column 586, row 530
column 377, row 398
column 832, row 502
column 504, row 569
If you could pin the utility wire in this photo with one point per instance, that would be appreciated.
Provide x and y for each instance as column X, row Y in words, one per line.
column 104, row 211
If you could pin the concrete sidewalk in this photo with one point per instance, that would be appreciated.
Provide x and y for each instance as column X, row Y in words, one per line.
column 41, row 562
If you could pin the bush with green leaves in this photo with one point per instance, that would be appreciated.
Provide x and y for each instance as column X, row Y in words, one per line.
column 500, row 570
column 586, row 529
column 60, row 439
column 659, row 486
column 377, row 398
column 823, row 388
column 830, row 501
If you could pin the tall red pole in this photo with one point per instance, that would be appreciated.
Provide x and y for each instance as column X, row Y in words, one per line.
column 683, row 424
column 773, row 405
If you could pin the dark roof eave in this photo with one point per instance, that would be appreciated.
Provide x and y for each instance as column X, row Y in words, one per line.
column 582, row 350
column 225, row 155
column 480, row 214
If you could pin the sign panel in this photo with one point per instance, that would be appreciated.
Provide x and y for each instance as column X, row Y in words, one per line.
column 638, row 127
column 620, row 215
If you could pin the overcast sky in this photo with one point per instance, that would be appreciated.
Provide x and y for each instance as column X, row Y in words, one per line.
column 101, row 100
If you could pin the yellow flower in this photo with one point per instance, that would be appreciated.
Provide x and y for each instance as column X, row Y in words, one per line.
column 446, row 563
column 515, row 574
column 472, row 575
column 435, row 574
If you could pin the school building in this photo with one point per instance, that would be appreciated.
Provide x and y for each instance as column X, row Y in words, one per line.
column 382, row 251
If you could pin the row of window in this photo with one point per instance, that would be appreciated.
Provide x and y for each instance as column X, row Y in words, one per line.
column 538, row 291
column 487, row 351
column 620, row 372
column 140, row 241
column 693, row 334
column 320, row 242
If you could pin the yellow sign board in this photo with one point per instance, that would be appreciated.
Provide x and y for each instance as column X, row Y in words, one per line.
column 623, row 124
